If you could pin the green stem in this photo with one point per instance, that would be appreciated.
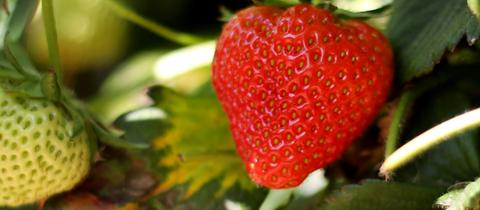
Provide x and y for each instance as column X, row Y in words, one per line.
column 51, row 32
column 430, row 138
column 396, row 125
column 162, row 31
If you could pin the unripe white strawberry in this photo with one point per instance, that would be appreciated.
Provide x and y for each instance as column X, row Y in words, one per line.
column 38, row 158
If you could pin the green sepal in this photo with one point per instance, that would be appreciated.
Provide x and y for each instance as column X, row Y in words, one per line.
column 28, row 88
column 345, row 14
column 92, row 142
column 14, row 56
column 77, row 118
column 19, row 59
column 225, row 14
column 9, row 75
column 8, row 71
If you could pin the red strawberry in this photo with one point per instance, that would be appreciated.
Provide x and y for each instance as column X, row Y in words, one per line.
column 298, row 87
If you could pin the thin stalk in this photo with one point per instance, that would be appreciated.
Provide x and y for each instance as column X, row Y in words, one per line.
column 430, row 138
column 51, row 32
column 396, row 125
column 162, row 31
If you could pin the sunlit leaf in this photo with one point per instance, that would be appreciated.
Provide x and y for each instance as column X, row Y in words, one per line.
column 467, row 198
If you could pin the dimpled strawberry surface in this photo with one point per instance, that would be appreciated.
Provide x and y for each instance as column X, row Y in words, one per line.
column 298, row 86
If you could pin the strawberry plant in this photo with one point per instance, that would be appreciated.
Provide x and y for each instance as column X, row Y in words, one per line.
column 263, row 104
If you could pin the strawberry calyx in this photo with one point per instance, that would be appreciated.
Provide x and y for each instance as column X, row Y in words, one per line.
column 346, row 14
column 327, row 5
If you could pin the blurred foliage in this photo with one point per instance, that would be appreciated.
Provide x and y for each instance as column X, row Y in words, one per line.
column 90, row 36
column 474, row 6
column 124, row 89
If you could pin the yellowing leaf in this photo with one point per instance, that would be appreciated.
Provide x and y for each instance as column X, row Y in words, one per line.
column 198, row 148
column 165, row 140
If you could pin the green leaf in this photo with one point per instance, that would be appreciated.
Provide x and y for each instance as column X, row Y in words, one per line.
column 421, row 32
column 467, row 198
column 18, row 57
column 435, row 166
column 23, row 87
column 375, row 194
